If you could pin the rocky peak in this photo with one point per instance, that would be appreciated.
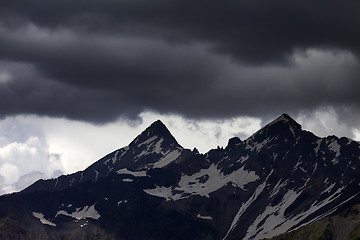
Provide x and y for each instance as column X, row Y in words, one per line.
column 157, row 130
column 233, row 142
column 283, row 126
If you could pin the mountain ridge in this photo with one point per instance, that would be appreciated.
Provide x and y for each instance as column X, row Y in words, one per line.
column 275, row 181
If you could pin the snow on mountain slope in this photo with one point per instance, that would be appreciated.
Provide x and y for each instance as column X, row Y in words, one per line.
column 81, row 213
column 203, row 183
column 40, row 216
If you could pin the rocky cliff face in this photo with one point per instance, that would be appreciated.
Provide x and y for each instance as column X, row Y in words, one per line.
column 279, row 179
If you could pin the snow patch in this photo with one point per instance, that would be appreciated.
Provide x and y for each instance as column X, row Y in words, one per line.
column 257, row 146
column 133, row 173
column 244, row 206
column 170, row 157
column 335, row 147
column 204, row 217
column 127, row 180
column 327, row 190
column 328, row 212
column 148, row 141
column 56, row 182
column 85, row 212
column 163, row 192
column 158, row 146
column 204, row 182
column 317, row 148
column 298, row 162
column 115, row 157
column 273, row 224
column 144, row 152
column 81, row 176
column 123, row 151
column 277, row 188
column 243, row 159
column 315, row 167
column 44, row 221
column 122, row 201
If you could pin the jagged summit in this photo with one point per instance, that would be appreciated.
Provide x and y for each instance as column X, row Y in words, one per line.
column 286, row 120
column 233, row 142
column 155, row 147
column 156, row 130
column 158, row 124
column 283, row 125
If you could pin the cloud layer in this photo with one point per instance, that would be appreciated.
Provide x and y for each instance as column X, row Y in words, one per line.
column 101, row 60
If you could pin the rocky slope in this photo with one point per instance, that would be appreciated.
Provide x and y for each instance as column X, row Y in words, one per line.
column 343, row 226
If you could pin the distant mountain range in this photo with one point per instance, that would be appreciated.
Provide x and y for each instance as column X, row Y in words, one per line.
column 279, row 179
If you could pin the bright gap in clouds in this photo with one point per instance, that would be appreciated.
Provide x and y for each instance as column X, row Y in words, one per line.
column 324, row 122
column 34, row 147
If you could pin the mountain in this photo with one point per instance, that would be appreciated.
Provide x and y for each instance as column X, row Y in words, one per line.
column 278, row 180
column 153, row 148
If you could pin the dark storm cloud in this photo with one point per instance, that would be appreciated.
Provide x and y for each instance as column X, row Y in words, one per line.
column 98, row 60
column 253, row 31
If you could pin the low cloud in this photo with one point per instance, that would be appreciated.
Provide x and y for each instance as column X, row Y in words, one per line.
column 28, row 179
column 21, row 163
column 24, row 157
column 327, row 121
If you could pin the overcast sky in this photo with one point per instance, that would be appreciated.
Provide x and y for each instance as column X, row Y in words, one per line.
column 79, row 79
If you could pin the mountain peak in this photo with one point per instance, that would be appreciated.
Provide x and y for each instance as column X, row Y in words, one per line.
column 284, row 125
column 156, row 130
column 283, row 117
column 159, row 129
column 159, row 125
